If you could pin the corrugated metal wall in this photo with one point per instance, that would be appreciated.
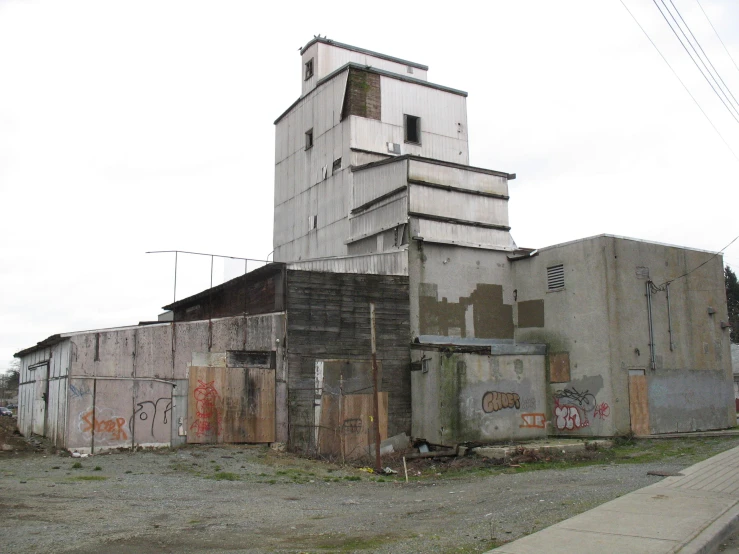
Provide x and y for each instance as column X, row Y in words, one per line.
column 387, row 263
column 44, row 372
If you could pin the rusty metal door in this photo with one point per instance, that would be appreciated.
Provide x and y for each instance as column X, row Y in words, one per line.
column 638, row 402
column 231, row 405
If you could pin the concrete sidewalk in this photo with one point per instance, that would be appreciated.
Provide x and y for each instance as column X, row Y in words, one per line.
column 690, row 513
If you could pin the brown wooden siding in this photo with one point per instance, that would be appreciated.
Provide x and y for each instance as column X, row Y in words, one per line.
column 328, row 319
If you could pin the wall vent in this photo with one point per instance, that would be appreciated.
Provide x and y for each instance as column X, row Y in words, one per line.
column 556, row 277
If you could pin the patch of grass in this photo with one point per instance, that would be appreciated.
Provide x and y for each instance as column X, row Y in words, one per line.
column 77, row 465
column 54, row 467
column 224, row 476
column 352, row 478
column 216, row 468
column 128, row 471
column 193, row 521
column 98, row 468
column 88, row 478
column 273, row 481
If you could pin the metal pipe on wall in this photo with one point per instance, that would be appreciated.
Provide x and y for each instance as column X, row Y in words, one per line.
column 669, row 315
column 652, row 362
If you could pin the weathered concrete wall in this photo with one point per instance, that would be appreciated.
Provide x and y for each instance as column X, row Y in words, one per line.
column 472, row 397
column 600, row 320
column 572, row 320
column 460, row 292
column 697, row 360
column 128, row 387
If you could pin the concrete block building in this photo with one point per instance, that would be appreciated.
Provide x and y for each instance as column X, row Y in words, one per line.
column 479, row 340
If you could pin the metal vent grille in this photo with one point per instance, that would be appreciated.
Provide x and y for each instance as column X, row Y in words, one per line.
column 555, row 277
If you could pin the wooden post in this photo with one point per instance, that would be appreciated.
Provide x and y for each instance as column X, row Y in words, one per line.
column 375, row 395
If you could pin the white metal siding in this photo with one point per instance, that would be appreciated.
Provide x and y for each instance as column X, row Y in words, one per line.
column 373, row 135
column 387, row 263
column 331, row 58
column 385, row 215
column 457, row 177
column 463, row 235
column 372, row 183
column 458, row 205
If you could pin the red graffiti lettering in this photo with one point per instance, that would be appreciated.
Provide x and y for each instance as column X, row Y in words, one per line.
column 533, row 421
column 602, row 411
column 207, row 418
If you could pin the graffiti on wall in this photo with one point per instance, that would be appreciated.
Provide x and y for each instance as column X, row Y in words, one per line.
column 207, row 418
column 494, row 401
column 79, row 391
column 148, row 411
column 104, row 424
column 533, row 421
column 572, row 409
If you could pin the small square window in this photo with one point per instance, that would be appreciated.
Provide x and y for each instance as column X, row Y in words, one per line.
column 309, row 69
column 309, row 139
column 337, row 165
column 413, row 129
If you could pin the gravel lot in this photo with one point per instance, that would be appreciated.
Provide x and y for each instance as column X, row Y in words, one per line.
column 182, row 501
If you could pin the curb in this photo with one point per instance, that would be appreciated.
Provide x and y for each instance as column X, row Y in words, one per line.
column 710, row 538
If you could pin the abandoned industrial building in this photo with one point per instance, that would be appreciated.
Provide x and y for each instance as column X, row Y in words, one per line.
column 478, row 340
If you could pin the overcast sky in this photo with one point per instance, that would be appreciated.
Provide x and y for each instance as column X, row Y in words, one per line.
column 134, row 126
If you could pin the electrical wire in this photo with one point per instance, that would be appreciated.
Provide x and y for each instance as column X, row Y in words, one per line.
column 657, row 288
column 680, row 80
column 717, row 35
column 725, row 88
column 710, row 84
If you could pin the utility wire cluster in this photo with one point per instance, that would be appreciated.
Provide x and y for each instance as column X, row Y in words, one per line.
column 693, row 48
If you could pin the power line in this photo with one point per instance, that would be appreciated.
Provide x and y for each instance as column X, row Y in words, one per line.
column 710, row 84
column 717, row 35
column 680, row 80
column 701, row 265
column 725, row 88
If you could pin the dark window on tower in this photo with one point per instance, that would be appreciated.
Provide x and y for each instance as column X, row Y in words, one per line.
column 337, row 165
column 413, row 129
column 309, row 139
column 309, row 69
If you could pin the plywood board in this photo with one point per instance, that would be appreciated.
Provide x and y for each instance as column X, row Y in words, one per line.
column 346, row 424
column 559, row 367
column 231, row 405
column 638, row 404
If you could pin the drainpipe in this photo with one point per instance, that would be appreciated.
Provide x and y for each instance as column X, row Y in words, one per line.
column 669, row 316
column 652, row 362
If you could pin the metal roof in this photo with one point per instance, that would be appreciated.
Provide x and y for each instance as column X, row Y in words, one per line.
column 330, row 42
column 370, row 69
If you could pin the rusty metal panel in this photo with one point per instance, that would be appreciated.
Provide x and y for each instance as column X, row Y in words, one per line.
column 559, row 367
column 638, row 402
column 231, row 405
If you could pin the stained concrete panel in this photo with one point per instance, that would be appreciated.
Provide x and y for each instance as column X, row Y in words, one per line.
column 531, row 313
column 689, row 400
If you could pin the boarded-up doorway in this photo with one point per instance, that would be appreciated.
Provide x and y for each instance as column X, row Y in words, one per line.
column 231, row 405
column 638, row 402
column 344, row 408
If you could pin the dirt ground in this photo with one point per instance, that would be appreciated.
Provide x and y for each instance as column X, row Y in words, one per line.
column 253, row 499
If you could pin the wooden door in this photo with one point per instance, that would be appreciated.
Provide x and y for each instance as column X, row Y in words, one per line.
column 231, row 405
column 638, row 402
